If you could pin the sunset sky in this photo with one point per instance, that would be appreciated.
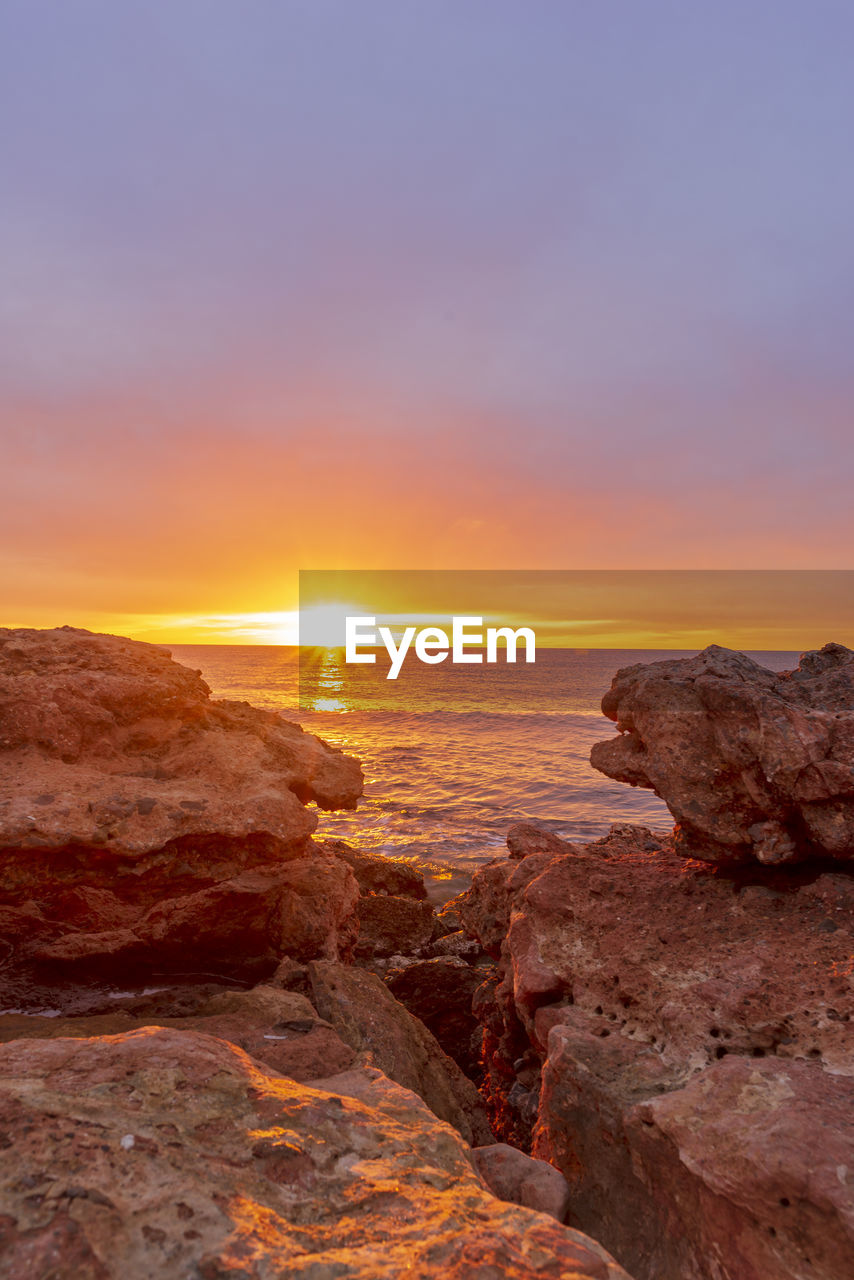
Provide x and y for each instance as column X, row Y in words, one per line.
column 393, row 284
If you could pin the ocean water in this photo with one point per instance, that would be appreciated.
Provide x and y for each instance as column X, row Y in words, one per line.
column 453, row 755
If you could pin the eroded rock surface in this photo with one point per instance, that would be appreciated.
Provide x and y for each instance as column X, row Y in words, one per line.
column 753, row 765
column 649, row 1013
column 144, row 825
column 379, row 875
column 172, row 1153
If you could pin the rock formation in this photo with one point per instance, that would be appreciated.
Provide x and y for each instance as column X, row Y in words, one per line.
column 146, row 827
column 676, row 1039
column 173, row 1153
column 519, row 1178
column 347, row 1019
column 752, row 764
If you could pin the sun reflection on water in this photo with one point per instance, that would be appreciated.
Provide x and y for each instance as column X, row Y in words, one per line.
column 321, row 679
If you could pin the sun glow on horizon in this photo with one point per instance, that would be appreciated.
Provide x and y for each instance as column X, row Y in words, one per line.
column 792, row 610
column 275, row 627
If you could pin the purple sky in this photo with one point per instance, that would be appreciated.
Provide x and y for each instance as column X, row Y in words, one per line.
column 574, row 281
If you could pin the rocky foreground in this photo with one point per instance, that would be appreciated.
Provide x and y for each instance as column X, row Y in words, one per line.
column 228, row 1049
column 195, row 1078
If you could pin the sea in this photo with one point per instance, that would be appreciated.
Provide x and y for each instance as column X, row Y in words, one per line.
column 453, row 755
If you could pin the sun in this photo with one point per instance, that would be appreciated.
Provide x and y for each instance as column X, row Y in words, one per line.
column 321, row 626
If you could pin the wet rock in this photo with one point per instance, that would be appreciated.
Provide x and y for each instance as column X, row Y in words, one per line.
column 144, row 825
column 513, row 1176
column 457, row 944
column 378, row 874
column 391, row 925
column 447, row 919
column 171, row 1153
column 439, row 992
column 385, row 1035
column 526, row 838
column 754, row 765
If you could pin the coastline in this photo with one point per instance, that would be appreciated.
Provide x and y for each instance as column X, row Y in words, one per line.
column 634, row 1038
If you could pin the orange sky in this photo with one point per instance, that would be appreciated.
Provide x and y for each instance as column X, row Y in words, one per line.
column 154, row 532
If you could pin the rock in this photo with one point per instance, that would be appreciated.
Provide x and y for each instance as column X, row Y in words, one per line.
column 278, row 1028
column 378, row 874
column 447, row 919
column 282, row 1029
column 485, row 908
column 672, row 953
column 250, row 1174
column 385, row 1035
column 144, row 825
column 628, row 978
column 303, row 908
column 457, row 944
column 728, row 1127
column 290, row 975
column 754, row 765
column 741, row 1172
column 388, row 925
column 513, row 1176
column 108, row 742
column 526, row 838
column 439, row 992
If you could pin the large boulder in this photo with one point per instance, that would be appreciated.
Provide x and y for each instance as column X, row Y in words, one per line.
column 172, row 1153
column 145, row 826
column 677, row 1040
column 753, row 764
column 109, row 743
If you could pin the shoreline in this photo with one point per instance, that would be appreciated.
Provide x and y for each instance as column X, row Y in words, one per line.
column 565, row 1021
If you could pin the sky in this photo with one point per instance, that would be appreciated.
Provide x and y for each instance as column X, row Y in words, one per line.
column 303, row 284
